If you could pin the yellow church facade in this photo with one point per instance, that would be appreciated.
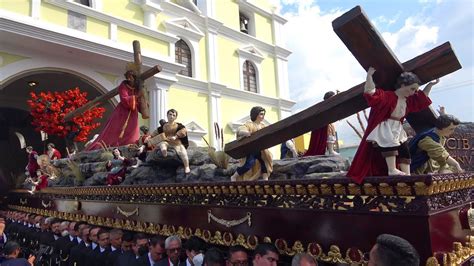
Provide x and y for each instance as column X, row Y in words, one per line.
column 219, row 57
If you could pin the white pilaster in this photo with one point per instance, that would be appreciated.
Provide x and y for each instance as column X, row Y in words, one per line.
column 149, row 18
column 158, row 99
column 282, row 76
column 35, row 9
column 150, row 10
column 113, row 32
column 215, row 113
column 207, row 7
column 212, row 57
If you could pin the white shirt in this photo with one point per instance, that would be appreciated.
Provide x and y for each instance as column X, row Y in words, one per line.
column 390, row 133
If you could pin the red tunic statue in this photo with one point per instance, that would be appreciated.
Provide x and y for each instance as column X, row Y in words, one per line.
column 42, row 182
column 53, row 154
column 368, row 161
column 33, row 165
column 122, row 127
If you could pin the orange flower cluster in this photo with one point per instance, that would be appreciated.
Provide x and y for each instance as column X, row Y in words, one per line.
column 49, row 108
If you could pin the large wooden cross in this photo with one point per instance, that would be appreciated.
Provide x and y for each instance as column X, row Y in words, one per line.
column 368, row 47
column 142, row 76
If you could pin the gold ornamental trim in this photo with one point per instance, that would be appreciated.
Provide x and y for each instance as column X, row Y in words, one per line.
column 126, row 213
column 229, row 223
column 217, row 237
column 440, row 184
column 23, row 201
column 459, row 254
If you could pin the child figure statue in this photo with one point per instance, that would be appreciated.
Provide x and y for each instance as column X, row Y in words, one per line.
column 428, row 152
column 259, row 163
column 52, row 152
column 172, row 134
column 385, row 135
column 117, row 173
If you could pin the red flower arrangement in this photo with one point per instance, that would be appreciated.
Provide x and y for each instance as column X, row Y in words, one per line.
column 49, row 108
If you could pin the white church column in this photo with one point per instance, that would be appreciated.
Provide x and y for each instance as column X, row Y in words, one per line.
column 36, row 9
column 215, row 114
column 158, row 99
column 150, row 10
column 149, row 17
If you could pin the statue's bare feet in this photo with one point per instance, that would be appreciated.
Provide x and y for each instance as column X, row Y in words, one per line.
column 233, row 178
column 164, row 152
column 139, row 162
column 396, row 172
column 187, row 170
column 265, row 176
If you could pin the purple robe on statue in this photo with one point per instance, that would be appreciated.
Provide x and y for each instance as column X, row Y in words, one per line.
column 122, row 126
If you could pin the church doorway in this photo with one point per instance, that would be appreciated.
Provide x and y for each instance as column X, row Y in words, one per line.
column 15, row 118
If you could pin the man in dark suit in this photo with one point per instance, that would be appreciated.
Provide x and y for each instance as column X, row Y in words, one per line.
column 62, row 246
column 173, row 250
column 117, row 237
column 77, row 256
column 156, row 253
column 11, row 250
column 98, row 256
column 139, row 249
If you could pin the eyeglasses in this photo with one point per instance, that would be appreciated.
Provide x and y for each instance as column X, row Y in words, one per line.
column 173, row 250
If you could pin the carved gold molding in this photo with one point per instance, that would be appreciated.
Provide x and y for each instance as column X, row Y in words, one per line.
column 126, row 213
column 229, row 223
column 334, row 255
column 457, row 256
column 445, row 183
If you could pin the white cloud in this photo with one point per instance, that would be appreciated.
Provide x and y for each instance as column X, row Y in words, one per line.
column 320, row 61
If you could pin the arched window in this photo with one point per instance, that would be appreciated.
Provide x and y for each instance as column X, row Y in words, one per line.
column 250, row 77
column 183, row 56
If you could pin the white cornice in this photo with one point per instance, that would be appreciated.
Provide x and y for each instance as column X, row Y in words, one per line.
column 87, row 11
column 190, row 5
column 251, row 53
column 195, row 128
column 174, row 10
column 234, row 125
column 11, row 23
column 249, row 6
column 222, row 90
column 148, row 5
column 247, row 39
column 218, row 27
column 183, row 27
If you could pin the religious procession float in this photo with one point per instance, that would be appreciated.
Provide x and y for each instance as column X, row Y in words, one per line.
column 306, row 204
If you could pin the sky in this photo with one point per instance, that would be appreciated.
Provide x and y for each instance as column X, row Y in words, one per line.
column 320, row 61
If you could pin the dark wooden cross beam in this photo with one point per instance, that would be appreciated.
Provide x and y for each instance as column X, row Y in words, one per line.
column 368, row 47
column 137, row 57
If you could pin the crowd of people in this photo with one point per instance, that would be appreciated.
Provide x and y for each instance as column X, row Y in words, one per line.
column 31, row 239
